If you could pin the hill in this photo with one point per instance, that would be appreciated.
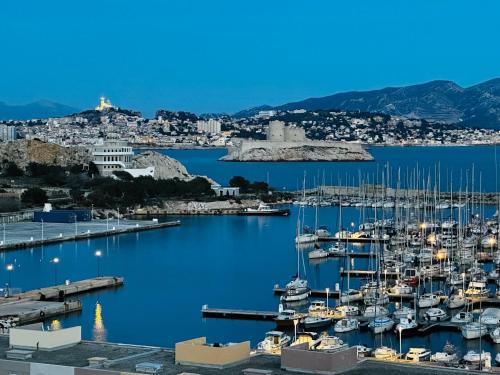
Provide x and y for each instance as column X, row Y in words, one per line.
column 37, row 110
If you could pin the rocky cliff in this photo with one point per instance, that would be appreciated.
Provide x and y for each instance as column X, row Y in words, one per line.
column 297, row 151
column 165, row 167
column 23, row 152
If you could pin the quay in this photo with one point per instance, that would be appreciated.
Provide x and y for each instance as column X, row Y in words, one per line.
column 30, row 234
column 39, row 304
column 207, row 312
column 319, row 293
column 351, row 240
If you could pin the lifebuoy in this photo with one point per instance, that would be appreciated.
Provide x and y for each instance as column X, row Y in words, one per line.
column 42, row 314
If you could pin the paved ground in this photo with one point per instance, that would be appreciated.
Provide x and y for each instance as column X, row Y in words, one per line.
column 30, row 231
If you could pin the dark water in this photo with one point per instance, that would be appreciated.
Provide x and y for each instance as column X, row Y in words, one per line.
column 222, row 261
column 450, row 161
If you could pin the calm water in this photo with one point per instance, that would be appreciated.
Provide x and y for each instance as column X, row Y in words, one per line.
column 289, row 176
column 223, row 261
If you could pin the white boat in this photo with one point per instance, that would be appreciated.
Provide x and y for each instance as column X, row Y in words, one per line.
column 497, row 359
column 286, row 318
column 385, row 353
column 443, row 357
column 463, row 317
column 435, row 314
column 305, row 337
column 318, row 254
column 374, row 311
column 363, row 351
column 346, row 325
column 495, row 335
column 418, row 355
column 346, row 310
column 336, row 248
column 274, row 341
column 490, row 316
column 264, row 210
column 477, row 289
column 376, row 298
column 400, row 288
column 317, row 307
column 473, row 358
column 306, row 238
column 406, row 326
column 381, row 324
column 351, row 295
column 457, row 301
column 316, row 322
column 473, row 330
column 327, row 343
column 428, row 300
column 404, row 312
column 296, row 290
column 455, row 279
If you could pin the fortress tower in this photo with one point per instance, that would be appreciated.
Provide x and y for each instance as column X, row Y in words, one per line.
column 276, row 131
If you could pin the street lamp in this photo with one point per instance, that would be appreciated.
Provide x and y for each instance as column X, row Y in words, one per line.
column 9, row 268
column 42, row 228
column 98, row 254
column 56, row 262
column 400, row 329
column 327, row 295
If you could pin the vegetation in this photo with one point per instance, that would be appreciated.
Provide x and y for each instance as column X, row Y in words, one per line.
column 34, row 196
column 12, row 170
column 257, row 187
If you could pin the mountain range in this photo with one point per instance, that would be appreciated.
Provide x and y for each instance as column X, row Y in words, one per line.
column 442, row 101
column 37, row 110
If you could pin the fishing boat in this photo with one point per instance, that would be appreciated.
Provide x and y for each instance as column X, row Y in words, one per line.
column 463, row 317
column 346, row 325
column 385, row 353
column 316, row 322
column 418, row 355
column 274, row 341
column 435, row 314
column 329, row 344
column 473, row 330
column 381, row 324
column 428, row 300
column 406, row 327
column 264, row 210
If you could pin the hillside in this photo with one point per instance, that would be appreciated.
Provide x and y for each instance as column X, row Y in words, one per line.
column 37, row 110
column 443, row 101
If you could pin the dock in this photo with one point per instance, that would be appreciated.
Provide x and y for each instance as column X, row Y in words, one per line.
column 352, row 240
column 318, row 293
column 39, row 304
column 207, row 312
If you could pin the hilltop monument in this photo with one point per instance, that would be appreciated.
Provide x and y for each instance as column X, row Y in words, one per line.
column 104, row 104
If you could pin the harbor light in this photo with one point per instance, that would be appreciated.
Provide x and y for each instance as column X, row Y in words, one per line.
column 492, row 241
column 98, row 254
column 56, row 262
column 9, row 268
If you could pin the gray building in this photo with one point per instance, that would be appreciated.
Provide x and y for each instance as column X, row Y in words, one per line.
column 8, row 133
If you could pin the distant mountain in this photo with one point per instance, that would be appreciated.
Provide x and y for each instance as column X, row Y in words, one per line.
column 444, row 101
column 37, row 110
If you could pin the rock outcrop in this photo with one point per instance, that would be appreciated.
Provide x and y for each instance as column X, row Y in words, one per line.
column 297, row 151
column 23, row 152
column 165, row 167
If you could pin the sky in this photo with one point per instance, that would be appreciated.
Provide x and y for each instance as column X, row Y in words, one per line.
column 227, row 55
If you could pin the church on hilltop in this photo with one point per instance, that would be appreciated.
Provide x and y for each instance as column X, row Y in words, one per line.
column 104, row 104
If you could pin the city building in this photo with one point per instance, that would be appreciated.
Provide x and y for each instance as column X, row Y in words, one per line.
column 210, row 126
column 222, row 191
column 7, row 133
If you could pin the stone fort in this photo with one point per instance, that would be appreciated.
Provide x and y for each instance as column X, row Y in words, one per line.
column 278, row 132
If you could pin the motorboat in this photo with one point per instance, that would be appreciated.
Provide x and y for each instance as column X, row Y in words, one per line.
column 327, row 343
column 473, row 330
column 264, row 210
column 318, row 254
column 477, row 289
column 457, row 301
column 400, row 289
column 435, row 314
column 346, row 310
column 497, row 358
column 306, row 238
column 374, row 311
column 346, row 325
column 317, row 307
column 418, row 355
column 456, row 278
column 381, row 324
column 411, row 276
column 406, row 327
column 463, row 317
column 322, row 232
column 316, row 322
column 376, row 298
column 286, row 318
column 495, row 335
column 473, row 359
column 428, row 300
column 274, row 341
column 351, row 295
column 403, row 312
column 336, row 248
column 305, row 337
column 490, row 317
column 385, row 353
column 363, row 351
column 296, row 290
column 447, row 356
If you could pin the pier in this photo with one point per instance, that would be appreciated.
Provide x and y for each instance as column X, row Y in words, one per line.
column 207, row 312
column 39, row 304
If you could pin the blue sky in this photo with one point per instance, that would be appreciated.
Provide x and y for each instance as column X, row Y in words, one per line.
column 226, row 55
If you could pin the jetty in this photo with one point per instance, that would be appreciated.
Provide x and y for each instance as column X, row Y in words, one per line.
column 39, row 304
column 207, row 312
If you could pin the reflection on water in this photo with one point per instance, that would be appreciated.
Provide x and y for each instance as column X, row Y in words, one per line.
column 99, row 332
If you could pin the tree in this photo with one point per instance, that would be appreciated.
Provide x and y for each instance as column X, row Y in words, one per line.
column 241, row 182
column 34, row 195
column 12, row 170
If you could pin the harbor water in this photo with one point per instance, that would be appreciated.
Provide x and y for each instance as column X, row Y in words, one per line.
column 220, row 261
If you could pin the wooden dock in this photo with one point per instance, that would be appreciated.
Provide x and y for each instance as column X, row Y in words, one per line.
column 207, row 312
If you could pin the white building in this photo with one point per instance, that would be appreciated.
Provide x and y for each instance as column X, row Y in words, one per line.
column 210, row 126
column 110, row 156
column 7, row 133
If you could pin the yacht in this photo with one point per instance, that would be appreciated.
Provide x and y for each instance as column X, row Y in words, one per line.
column 463, row 317
column 477, row 289
column 286, row 318
column 428, row 300
column 418, row 355
column 374, row 311
column 406, row 327
column 376, row 298
column 403, row 312
column 316, row 322
column 456, row 278
column 385, row 353
column 306, row 238
column 474, row 330
column 457, row 301
column 318, row 254
column 317, row 307
column 346, row 325
column 400, row 289
column 296, row 290
column 264, row 210
column 327, row 343
column 435, row 314
column 274, row 341
column 336, row 248
column 447, row 356
column 473, row 358
column 305, row 337
column 363, row 351
column 345, row 310
column 351, row 295
column 490, row 316
column 381, row 324
column 495, row 335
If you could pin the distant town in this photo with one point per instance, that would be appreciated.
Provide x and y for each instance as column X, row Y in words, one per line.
column 186, row 130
